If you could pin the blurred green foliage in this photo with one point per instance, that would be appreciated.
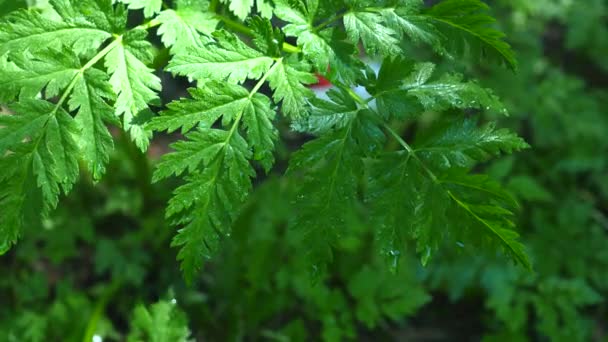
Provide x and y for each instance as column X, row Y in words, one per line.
column 110, row 273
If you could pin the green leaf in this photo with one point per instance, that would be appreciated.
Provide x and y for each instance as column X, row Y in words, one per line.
column 449, row 91
column 461, row 143
column 425, row 194
column 51, row 151
column 265, row 8
column 327, row 49
column 405, row 89
column 20, row 198
column 289, row 82
column 328, row 115
column 55, row 160
column 217, row 162
column 261, row 134
column 493, row 219
column 181, row 29
column 370, row 28
column 243, row 8
column 7, row 6
column 89, row 98
column 327, row 191
column 467, row 28
column 135, row 84
column 228, row 58
column 26, row 75
column 266, row 37
column 189, row 155
column 207, row 204
column 328, row 170
column 100, row 14
column 208, row 104
column 407, row 20
column 378, row 294
column 469, row 210
column 240, row 8
column 406, row 205
column 29, row 30
column 163, row 321
column 150, row 7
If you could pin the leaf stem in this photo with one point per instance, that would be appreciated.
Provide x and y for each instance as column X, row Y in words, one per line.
column 98, row 311
column 213, row 4
column 291, row 48
column 66, row 92
column 148, row 25
column 253, row 91
column 102, row 54
column 397, row 137
column 330, row 21
column 265, row 77
column 411, row 152
column 235, row 25
column 81, row 71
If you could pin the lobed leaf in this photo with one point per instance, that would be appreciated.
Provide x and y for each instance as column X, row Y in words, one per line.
column 227, row 58
column 135, row 84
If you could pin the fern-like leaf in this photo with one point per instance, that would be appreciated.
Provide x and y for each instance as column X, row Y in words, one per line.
column 135, row 84
column 181, row 29
column 466, row 27
column 150, row 7
column 227, row 58
column 289, row 82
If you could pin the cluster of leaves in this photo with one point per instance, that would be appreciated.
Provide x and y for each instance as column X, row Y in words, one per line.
column 359, row 198
column 103, row 242
column 120, row 233
column 562, row 183
column 46, row 136
column 91, row 70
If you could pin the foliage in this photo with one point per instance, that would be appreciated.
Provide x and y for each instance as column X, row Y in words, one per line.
column 308, row 213
column 562, row 111
column 230, row 126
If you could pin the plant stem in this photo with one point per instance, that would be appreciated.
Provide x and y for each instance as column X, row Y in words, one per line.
column 330, row 21
column 150, row 24
column 98, row 311
column 411, row 152
column 80, row 72
column 263, row 79
column 253, row 91
column 397, row 137
column 102, row 54
column 213, row 4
